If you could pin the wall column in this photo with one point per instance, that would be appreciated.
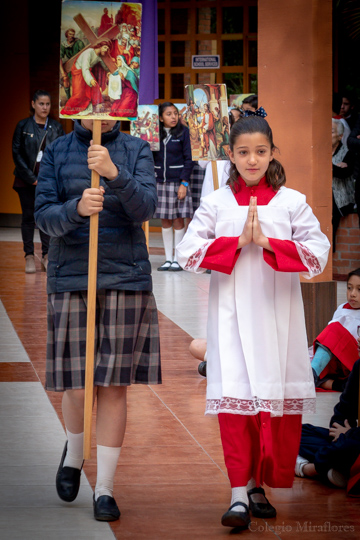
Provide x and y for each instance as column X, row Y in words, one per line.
column 295, row 88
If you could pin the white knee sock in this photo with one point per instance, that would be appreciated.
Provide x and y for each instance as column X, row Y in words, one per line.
column 179, row 235
column 167, row 235
column 107, row 459
column 75, row 450
column 239, row 494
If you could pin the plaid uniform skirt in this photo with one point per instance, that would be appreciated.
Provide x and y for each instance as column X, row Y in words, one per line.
column 127, row 347
column 169, row 206
column 196, row 182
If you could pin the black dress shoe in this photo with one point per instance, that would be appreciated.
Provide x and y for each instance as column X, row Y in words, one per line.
column 202, row 368
column 67, row 480
column 232, row 518
column 106, row 509
column 165, row 266
column 261, row 510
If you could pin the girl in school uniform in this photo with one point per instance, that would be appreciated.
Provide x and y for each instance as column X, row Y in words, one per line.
column 256, row 235
column 173, row 166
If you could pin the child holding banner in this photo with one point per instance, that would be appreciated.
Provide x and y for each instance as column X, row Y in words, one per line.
column 255, row 236
column 127, row 338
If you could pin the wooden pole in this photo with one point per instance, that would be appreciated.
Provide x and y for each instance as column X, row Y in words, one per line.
column 146, row 230
column 215, row 175
column 91, row 308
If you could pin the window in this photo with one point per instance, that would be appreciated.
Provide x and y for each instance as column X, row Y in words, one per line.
column 227, row 28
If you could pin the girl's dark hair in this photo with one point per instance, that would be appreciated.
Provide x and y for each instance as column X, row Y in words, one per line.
column 175, row 131
column 231, row 117
column 40, row 93
column 252, row 101
column 275, row 175
column 353, row 273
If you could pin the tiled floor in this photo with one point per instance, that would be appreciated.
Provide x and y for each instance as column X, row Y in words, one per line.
column 171, row 481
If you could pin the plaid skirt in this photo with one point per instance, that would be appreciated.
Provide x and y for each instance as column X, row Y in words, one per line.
column 169, row 206
column 127, row 347
column 196, row 182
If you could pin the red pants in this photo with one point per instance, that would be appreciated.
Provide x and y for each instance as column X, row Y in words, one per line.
column 260, row 447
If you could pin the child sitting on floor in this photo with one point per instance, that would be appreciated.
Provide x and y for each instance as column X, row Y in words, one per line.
column 335, row 347
column 334, row 454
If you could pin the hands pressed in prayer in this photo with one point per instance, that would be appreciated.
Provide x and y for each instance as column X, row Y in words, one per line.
column 252, row 231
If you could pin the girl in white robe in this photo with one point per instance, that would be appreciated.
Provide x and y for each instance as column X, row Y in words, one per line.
column 256, row 236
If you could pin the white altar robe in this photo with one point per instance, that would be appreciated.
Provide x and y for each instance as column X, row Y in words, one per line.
column 257, row 352
column 348, row 318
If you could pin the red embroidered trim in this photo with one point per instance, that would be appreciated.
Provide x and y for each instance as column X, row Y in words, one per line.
column 195, row 259
column 277, row 407
column 308, row 259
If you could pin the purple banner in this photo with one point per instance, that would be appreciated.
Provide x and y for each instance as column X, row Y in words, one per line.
column 149, row 76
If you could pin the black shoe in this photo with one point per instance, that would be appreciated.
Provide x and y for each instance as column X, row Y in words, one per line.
column 261, row 510
column 202, row 368
column 106, row 509
column 67, row 480
column 175, row 267
column 231, row 518
column 165, row 266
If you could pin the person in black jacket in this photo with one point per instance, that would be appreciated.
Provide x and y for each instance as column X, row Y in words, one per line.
column 31, row 137
column 127, row 347
column 173, row 167
column 330, row 454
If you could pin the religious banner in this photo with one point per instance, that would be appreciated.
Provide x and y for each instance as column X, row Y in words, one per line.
column 146, row 126
column 100, row 60
column 208, row 121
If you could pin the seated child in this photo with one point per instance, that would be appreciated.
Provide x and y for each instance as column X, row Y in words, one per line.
column 334, row 454
column 335, row 347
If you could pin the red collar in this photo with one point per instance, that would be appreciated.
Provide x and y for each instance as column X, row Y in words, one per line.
column 347, row 306
column 262, row 191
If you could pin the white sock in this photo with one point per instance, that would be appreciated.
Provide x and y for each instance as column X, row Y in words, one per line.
column 178, row 236
column 239, row 494
column 167, row 235
column 107, row 459
column 75, row 450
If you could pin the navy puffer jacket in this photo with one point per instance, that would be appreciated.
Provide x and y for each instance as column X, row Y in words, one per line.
column 129, row 200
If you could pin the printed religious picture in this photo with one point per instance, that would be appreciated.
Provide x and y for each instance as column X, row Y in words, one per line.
column 208, row 121
column 182, row 108
column 146, row 126
column 100, row 60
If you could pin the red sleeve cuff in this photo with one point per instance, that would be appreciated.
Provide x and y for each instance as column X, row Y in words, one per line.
column 222, row 255
column 285, row 257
